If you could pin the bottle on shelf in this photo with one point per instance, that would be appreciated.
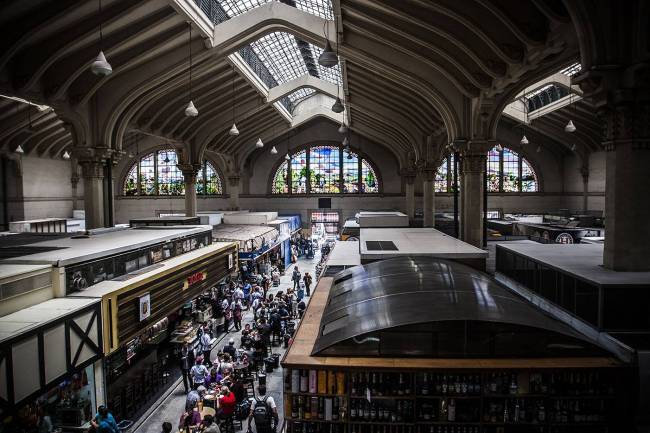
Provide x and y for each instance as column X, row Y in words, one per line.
column 424, row 389
column 451, row 411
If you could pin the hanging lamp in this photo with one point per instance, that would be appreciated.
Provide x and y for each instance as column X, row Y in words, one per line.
column 338, row 106
column 524, row 140
column 346, row 142
column 328, row 58
column 66, row 155
column 19, row 149
column 166, row 160
column 259, row 144
column 287, row 157
column 274, row 151
column 573, row 147
column 190, row 110
column 498, row 148
column 234, row 132
column 343, row 128
column 100, row 66
column 570, row 127
column 539, row 149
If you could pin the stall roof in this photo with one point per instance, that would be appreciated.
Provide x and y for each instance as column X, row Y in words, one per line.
column 20, row 322
column 367, row 301
column 168, row 266
column 13, row 270
column 414, row 242
column 583, row 261
column 240, row 232
column 344, row 253
column 72, row 249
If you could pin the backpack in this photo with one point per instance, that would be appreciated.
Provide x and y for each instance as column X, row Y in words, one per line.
column 262, row 414
column 242, row 410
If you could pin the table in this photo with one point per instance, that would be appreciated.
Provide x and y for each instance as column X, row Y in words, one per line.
column 207, row 411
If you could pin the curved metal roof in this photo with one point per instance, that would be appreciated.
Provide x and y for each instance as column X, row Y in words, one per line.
column 415, row 290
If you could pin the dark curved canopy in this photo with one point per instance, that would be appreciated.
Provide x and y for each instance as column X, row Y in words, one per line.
column 418, row 306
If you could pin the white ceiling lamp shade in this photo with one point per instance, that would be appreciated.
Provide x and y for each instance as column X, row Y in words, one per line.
column 338, row 106
column 573, row 147
column 190, row 110
column 539, row 149
column 234, row 132
column 274, row 151
column 570, row 127
column 524, row 140
column 100, row 66
column 259, row 143
column 498, row 148
column 19, row 149
column 346, row 142
column 287, row 157
column 343, row 128
column 328, row 57
column 66, row 155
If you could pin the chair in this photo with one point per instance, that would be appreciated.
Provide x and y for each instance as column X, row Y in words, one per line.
column 227, row 425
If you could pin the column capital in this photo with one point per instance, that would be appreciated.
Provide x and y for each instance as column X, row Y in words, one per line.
column 190, row 171
column 92, row 168
column 409, row 175
column 233, row 180
column 428, row 173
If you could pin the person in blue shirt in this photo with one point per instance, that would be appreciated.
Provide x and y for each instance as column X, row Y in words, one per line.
column 105, row 421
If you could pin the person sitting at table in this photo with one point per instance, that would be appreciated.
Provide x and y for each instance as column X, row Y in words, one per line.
column 190, row 419
column 199, row 372
column 166, row 427
column 192, row 399
column 214, row 379
column 230, row 348
column 226, row 403
column 226, row 365
column 209, row 426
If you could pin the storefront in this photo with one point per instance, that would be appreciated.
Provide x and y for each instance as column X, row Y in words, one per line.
column 48, row 358
column 259, row 247
column 147, row 316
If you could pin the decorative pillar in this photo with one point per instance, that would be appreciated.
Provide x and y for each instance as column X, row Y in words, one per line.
column 409, row 187
column 428, row 197
column 92, row 171
column 584, row 171
column 74, row 182
column 190, row 171
column 233, row 192
column 472, row 189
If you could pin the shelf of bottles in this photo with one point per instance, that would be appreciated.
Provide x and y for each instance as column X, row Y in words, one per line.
column 499, row 401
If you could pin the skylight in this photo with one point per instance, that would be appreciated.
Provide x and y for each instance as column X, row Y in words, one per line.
column 571, row 70
column 321, row 8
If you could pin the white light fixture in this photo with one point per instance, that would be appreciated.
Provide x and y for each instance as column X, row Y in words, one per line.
column 338, row 106
column 190, row 110
column 100, row 66
column 343, row 128
column 66, row 155
column 539, row 149
column 19, row 149
column 573, row 147
column 346, row 142
column 570, row 127
column 233, row 131
column 524, row 140
column 287, row 157
column 328, row 57
column 498, row 148
column 259, row 144
column 274, row 151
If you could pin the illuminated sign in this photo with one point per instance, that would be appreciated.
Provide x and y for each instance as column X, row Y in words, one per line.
column 194, row 278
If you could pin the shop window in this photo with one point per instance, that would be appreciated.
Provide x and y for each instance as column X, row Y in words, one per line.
column 325, row 170
column 157, row 173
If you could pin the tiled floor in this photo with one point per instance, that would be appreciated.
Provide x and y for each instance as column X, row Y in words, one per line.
column 171, row 406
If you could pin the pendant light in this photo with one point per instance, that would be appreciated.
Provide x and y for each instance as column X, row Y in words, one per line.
column 343, row 128
column 346, row 142
column 573, row 147
column 190, row 110
column 100, row 66
column 524, row 140
column 234, row 132
column 287, row 157
column 328, row 57
column 166, row 160
column 498, row 148
column 539, row 148
column 338, row 106
column 66, row 155
column 259, row 144
column 19, row 149
column 274, row 151
column 570, row 127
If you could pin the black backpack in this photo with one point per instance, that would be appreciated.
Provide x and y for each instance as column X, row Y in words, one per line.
column 262, row 414
column 242, row 410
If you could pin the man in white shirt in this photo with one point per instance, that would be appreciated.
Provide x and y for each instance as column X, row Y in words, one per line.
column 199, row 372
column 206, row 347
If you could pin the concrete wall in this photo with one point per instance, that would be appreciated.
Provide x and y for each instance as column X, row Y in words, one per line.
column 573, row 182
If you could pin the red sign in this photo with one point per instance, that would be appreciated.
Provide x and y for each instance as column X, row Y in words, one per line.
column 194, row 278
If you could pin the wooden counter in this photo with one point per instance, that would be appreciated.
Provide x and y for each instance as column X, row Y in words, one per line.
column 298, row 355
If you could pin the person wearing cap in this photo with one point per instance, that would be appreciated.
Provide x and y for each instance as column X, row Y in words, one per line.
column 230, row 348
column 199, row 372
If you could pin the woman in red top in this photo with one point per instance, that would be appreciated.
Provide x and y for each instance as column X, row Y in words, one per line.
column 226, row 403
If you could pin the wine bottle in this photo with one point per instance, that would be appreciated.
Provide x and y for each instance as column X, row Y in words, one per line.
column 353, row 384
column 425, row 384
column 353, row 410
column 451, row 411
column 445, row 385
column 401, row 386
column 304, row 381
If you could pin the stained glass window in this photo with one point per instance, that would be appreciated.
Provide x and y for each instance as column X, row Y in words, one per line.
column 157, row 173
column 322, row 170
column 369, row 178
column 350, row 172
column 299, row 173
column 507, row 171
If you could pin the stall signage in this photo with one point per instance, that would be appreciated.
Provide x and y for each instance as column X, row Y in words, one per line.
column 145, row 306
column 231, row 260
column 564, row 238
column 194, row 278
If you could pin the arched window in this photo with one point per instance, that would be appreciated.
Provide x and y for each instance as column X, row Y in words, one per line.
column 507, row 171
column 325, row 170
column 157, row 173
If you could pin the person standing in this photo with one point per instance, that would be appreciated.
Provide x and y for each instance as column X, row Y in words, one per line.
column 227, row 314
column 264, row 412
column 187, row 355
column 295, row 277
column 206, row 346
column 237, row 311
column 199, row 372
column 307, row 280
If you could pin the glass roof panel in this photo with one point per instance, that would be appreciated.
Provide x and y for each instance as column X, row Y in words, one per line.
column 300, row 94
column 321, row 8
column 571, row 70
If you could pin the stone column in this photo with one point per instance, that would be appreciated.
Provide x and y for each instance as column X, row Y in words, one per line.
column 233, row 192
column 190, row 171
column 627, row 184
column 74, row 182
column 472, row 188
column 409, row 187
column 428, row 197
column 584, row 171
column 92, row 171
